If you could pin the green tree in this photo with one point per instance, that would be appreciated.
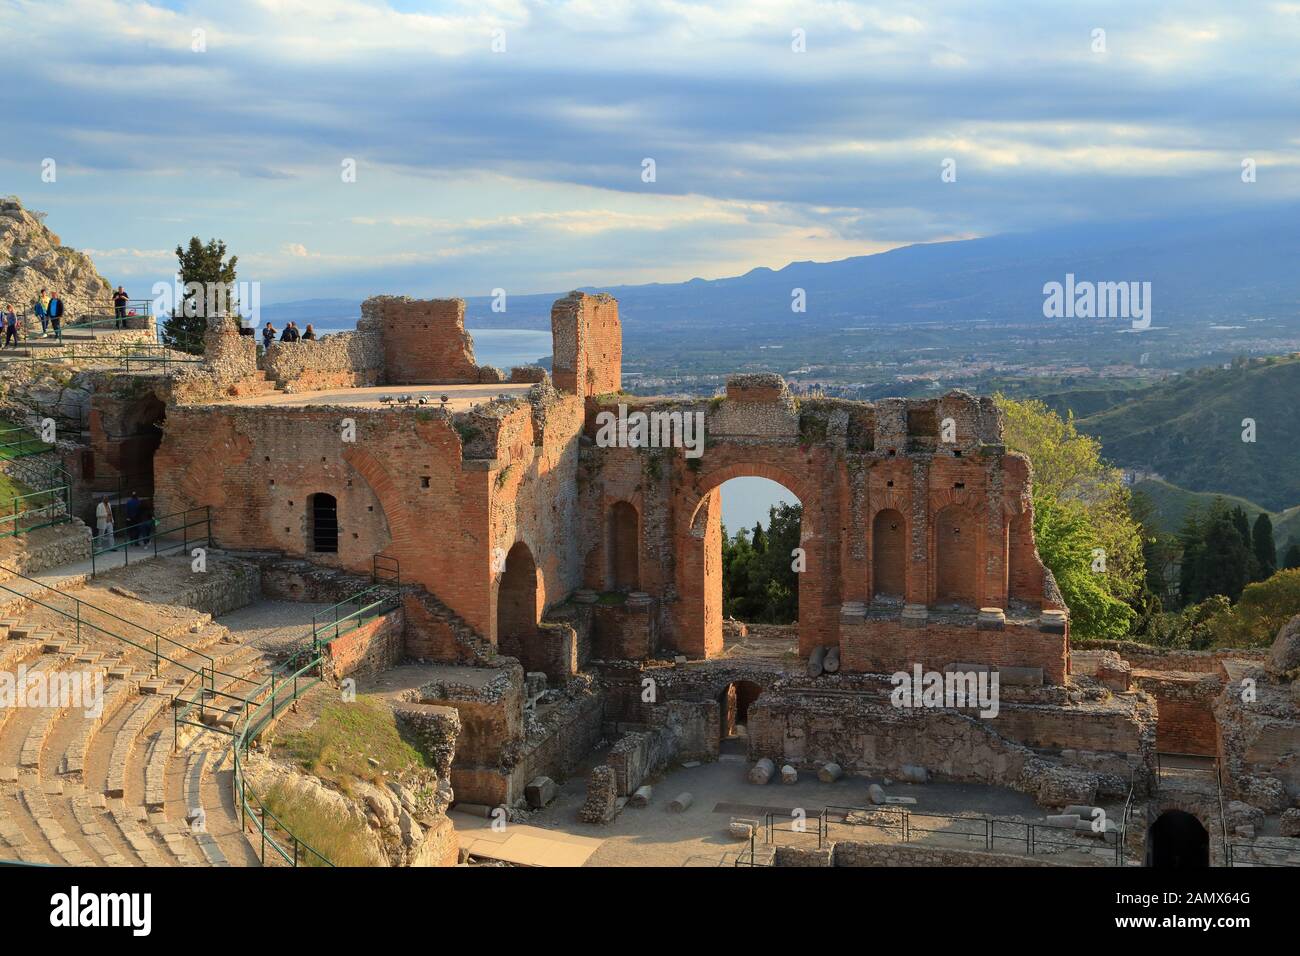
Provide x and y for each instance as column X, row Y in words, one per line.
column 1224, row 554
column 207, row 266
column 1292, row 557
column 760, row 585
column 1264, row 546
column 1080, row 500
column 1066, row 539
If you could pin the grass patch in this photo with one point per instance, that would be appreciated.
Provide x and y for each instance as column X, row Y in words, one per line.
column 9, row 489
column 341, row 839
column 19, row 442
column 339, row 746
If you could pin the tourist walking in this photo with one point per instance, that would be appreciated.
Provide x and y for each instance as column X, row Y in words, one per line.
column 133, row 518
column 38, row 307
column 54, row 309
column 290, row 333
column 268, row 335
column 104, row 523
column 10, row 318
column 310, row 334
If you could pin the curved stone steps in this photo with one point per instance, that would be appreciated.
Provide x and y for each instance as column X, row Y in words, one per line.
column 15, row 843
column 90, row 811
column 125, row 743
column 15, row 722
column 130, row 825
column 173, row 835
column 39, row 731
column 81, row 731
column 33, row 794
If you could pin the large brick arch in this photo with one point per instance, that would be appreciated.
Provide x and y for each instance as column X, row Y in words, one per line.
column 401, row 524
column 697, row 618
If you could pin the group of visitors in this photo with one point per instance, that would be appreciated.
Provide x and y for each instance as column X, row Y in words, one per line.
column 290, row 334
column 139, row 529
column 49, row 309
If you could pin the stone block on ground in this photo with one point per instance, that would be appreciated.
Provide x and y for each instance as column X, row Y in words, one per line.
column 540, row 791
column 681, row 803
column 762, row 772
column 830, row 772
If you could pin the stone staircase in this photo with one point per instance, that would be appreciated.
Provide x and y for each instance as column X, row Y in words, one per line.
column 112, row 786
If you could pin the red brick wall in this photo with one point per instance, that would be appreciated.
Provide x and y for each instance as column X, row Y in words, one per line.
column 588, row 344
column 369, row 649
column 1185, row 726
column 424, row 340
column 884, row 646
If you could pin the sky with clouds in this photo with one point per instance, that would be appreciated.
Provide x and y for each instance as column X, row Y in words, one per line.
column 479, row 167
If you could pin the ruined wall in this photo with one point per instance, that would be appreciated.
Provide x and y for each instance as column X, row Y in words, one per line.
column 588, row 344
column 424, row 340
column 848, row 853
column 345, row 360
column 883, row 642
column 369, row 649
column 928, row 483
column 401, row 488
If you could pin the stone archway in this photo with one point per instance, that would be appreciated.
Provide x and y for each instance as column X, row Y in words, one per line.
column 697, row 621
column 519, row 609
column 1177, row 840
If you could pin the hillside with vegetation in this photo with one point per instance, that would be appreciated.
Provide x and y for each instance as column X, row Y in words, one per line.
column 1189, row 430
column 32, row 257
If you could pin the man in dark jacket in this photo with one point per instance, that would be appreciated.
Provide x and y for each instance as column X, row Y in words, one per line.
column 55, row 312
column 120, row 299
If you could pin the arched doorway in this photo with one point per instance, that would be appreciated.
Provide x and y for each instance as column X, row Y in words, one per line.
column 784, row 587
column 323, row 523
column 518, row 610
column 889, row 554
column 623, row 549
column 955, row 537
column 734, row 703
column 1177, row 840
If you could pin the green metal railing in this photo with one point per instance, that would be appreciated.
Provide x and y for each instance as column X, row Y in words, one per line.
column 292, row 684
column 37, row 505
column 83, row 615
column 156, row 528
column 19, row 441
column 351, row 613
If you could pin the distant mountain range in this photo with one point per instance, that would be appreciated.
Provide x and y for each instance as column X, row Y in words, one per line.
column 1189, row 430
column 1200, row 267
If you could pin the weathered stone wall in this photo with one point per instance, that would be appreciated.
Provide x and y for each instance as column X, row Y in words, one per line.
column 884, row 642
column 854, row 854
column 369, row 649
column 347, row 359
column 955, row 507
column 588, row 344
column 424, row 340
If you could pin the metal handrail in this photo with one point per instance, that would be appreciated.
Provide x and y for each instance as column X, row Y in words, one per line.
column 320, row 626
column 905, row 824
column 81, row 620
column 252, row 724
column 16, row 516
column 156, row 531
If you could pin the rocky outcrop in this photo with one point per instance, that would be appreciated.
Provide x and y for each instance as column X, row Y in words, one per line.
column 34, row 258
column 1285, row 654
